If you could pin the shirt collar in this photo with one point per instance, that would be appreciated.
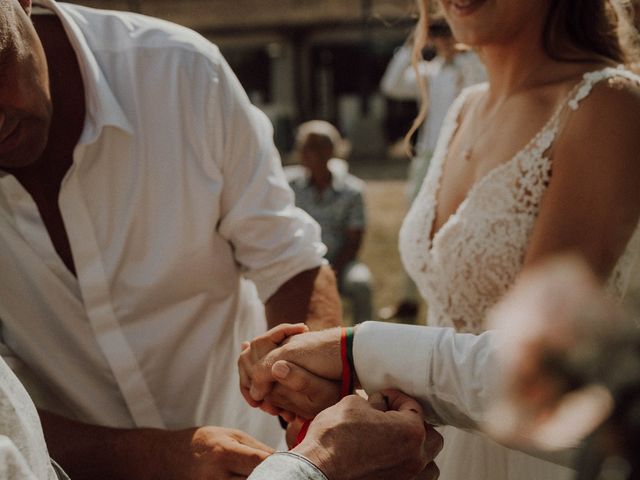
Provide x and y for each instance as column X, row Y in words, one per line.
column 102, row 106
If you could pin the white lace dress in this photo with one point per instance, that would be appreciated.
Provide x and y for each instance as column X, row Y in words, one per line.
column 23, row 452
column 474, row 258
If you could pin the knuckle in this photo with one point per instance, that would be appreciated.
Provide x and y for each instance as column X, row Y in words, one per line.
column 300, row 382
column 416, row 435
column 435, row 443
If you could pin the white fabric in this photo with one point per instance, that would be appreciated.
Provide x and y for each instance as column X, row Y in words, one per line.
column 287, row 466
column 452, row 375
column 445, row 80
column 175, row 201
column 23, row 453
column 475, row 257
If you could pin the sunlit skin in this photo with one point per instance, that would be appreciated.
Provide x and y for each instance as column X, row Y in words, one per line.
column 494, row 22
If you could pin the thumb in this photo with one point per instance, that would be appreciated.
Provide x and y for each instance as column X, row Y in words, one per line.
column 378, row 401
column 402, row 403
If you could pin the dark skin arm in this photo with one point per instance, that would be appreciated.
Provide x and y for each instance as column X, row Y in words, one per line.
column 90, row 451
column 199, row 453
column 310, row 297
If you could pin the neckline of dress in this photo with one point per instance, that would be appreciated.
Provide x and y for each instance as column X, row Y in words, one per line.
column 453, row 128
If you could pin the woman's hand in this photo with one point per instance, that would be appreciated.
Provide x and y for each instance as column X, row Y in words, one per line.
column 292, row 372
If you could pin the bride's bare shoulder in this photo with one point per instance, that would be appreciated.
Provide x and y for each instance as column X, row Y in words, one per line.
column 602, row 125
column 607, row 95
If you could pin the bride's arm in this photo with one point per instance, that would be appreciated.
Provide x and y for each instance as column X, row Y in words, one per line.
column 592, row 204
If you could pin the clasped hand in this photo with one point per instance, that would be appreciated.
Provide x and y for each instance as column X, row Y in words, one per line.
column 291, row 372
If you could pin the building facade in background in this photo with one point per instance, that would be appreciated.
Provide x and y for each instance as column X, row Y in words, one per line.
column 304, row 59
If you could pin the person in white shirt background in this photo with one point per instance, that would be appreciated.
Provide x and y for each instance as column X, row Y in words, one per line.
column 451, row 70
column 146, row 230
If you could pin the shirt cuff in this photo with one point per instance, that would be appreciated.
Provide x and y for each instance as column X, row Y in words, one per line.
column 287, row 466
column 388, row 355
column 452, row 375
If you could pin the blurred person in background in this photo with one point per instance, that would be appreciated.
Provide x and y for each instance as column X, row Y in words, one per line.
column 558, row 376
column 326, row 190
column 451, row 70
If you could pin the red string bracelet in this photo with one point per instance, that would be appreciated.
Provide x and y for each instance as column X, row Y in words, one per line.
column 346, row 387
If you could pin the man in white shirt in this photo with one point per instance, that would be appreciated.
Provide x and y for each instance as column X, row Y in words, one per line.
column 145, row 223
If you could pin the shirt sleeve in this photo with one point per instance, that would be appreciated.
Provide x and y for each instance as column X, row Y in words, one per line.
column 453, row 375
column 271, row 238
column 399, row 80
column 287, row 466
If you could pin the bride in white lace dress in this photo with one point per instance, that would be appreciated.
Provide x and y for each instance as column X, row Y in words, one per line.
column 543, row 159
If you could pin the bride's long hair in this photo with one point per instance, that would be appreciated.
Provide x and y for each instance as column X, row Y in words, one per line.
column 601, row 27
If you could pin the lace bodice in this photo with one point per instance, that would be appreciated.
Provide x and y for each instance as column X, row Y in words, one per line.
column 476, row 255
column 23, row 453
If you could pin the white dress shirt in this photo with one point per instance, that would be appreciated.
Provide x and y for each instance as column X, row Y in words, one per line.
column 453, row 375
column 175, row 207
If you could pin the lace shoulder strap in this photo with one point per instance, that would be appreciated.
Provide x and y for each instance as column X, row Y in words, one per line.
column 591, row 79
column 545, row 139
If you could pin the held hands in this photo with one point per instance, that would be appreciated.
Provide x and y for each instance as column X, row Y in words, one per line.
column 290, row 371
column 388, row 431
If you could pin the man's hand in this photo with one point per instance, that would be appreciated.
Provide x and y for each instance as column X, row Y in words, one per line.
column 201, row 453
column 380, row 439
column 213, row 453
column 291, row 371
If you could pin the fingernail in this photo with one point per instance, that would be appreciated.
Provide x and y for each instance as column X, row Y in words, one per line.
column 280, row 370
column 254, row 393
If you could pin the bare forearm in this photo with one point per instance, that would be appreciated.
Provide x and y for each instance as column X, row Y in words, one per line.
column 89, row 451
column 310, row 297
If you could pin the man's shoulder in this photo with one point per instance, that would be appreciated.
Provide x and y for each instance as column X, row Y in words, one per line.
column 117, row 31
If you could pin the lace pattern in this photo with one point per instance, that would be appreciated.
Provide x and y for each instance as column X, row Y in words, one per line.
column 476, row 255
column 23, row 453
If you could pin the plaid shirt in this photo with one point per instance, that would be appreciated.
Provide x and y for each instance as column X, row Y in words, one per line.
column 337, row 209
